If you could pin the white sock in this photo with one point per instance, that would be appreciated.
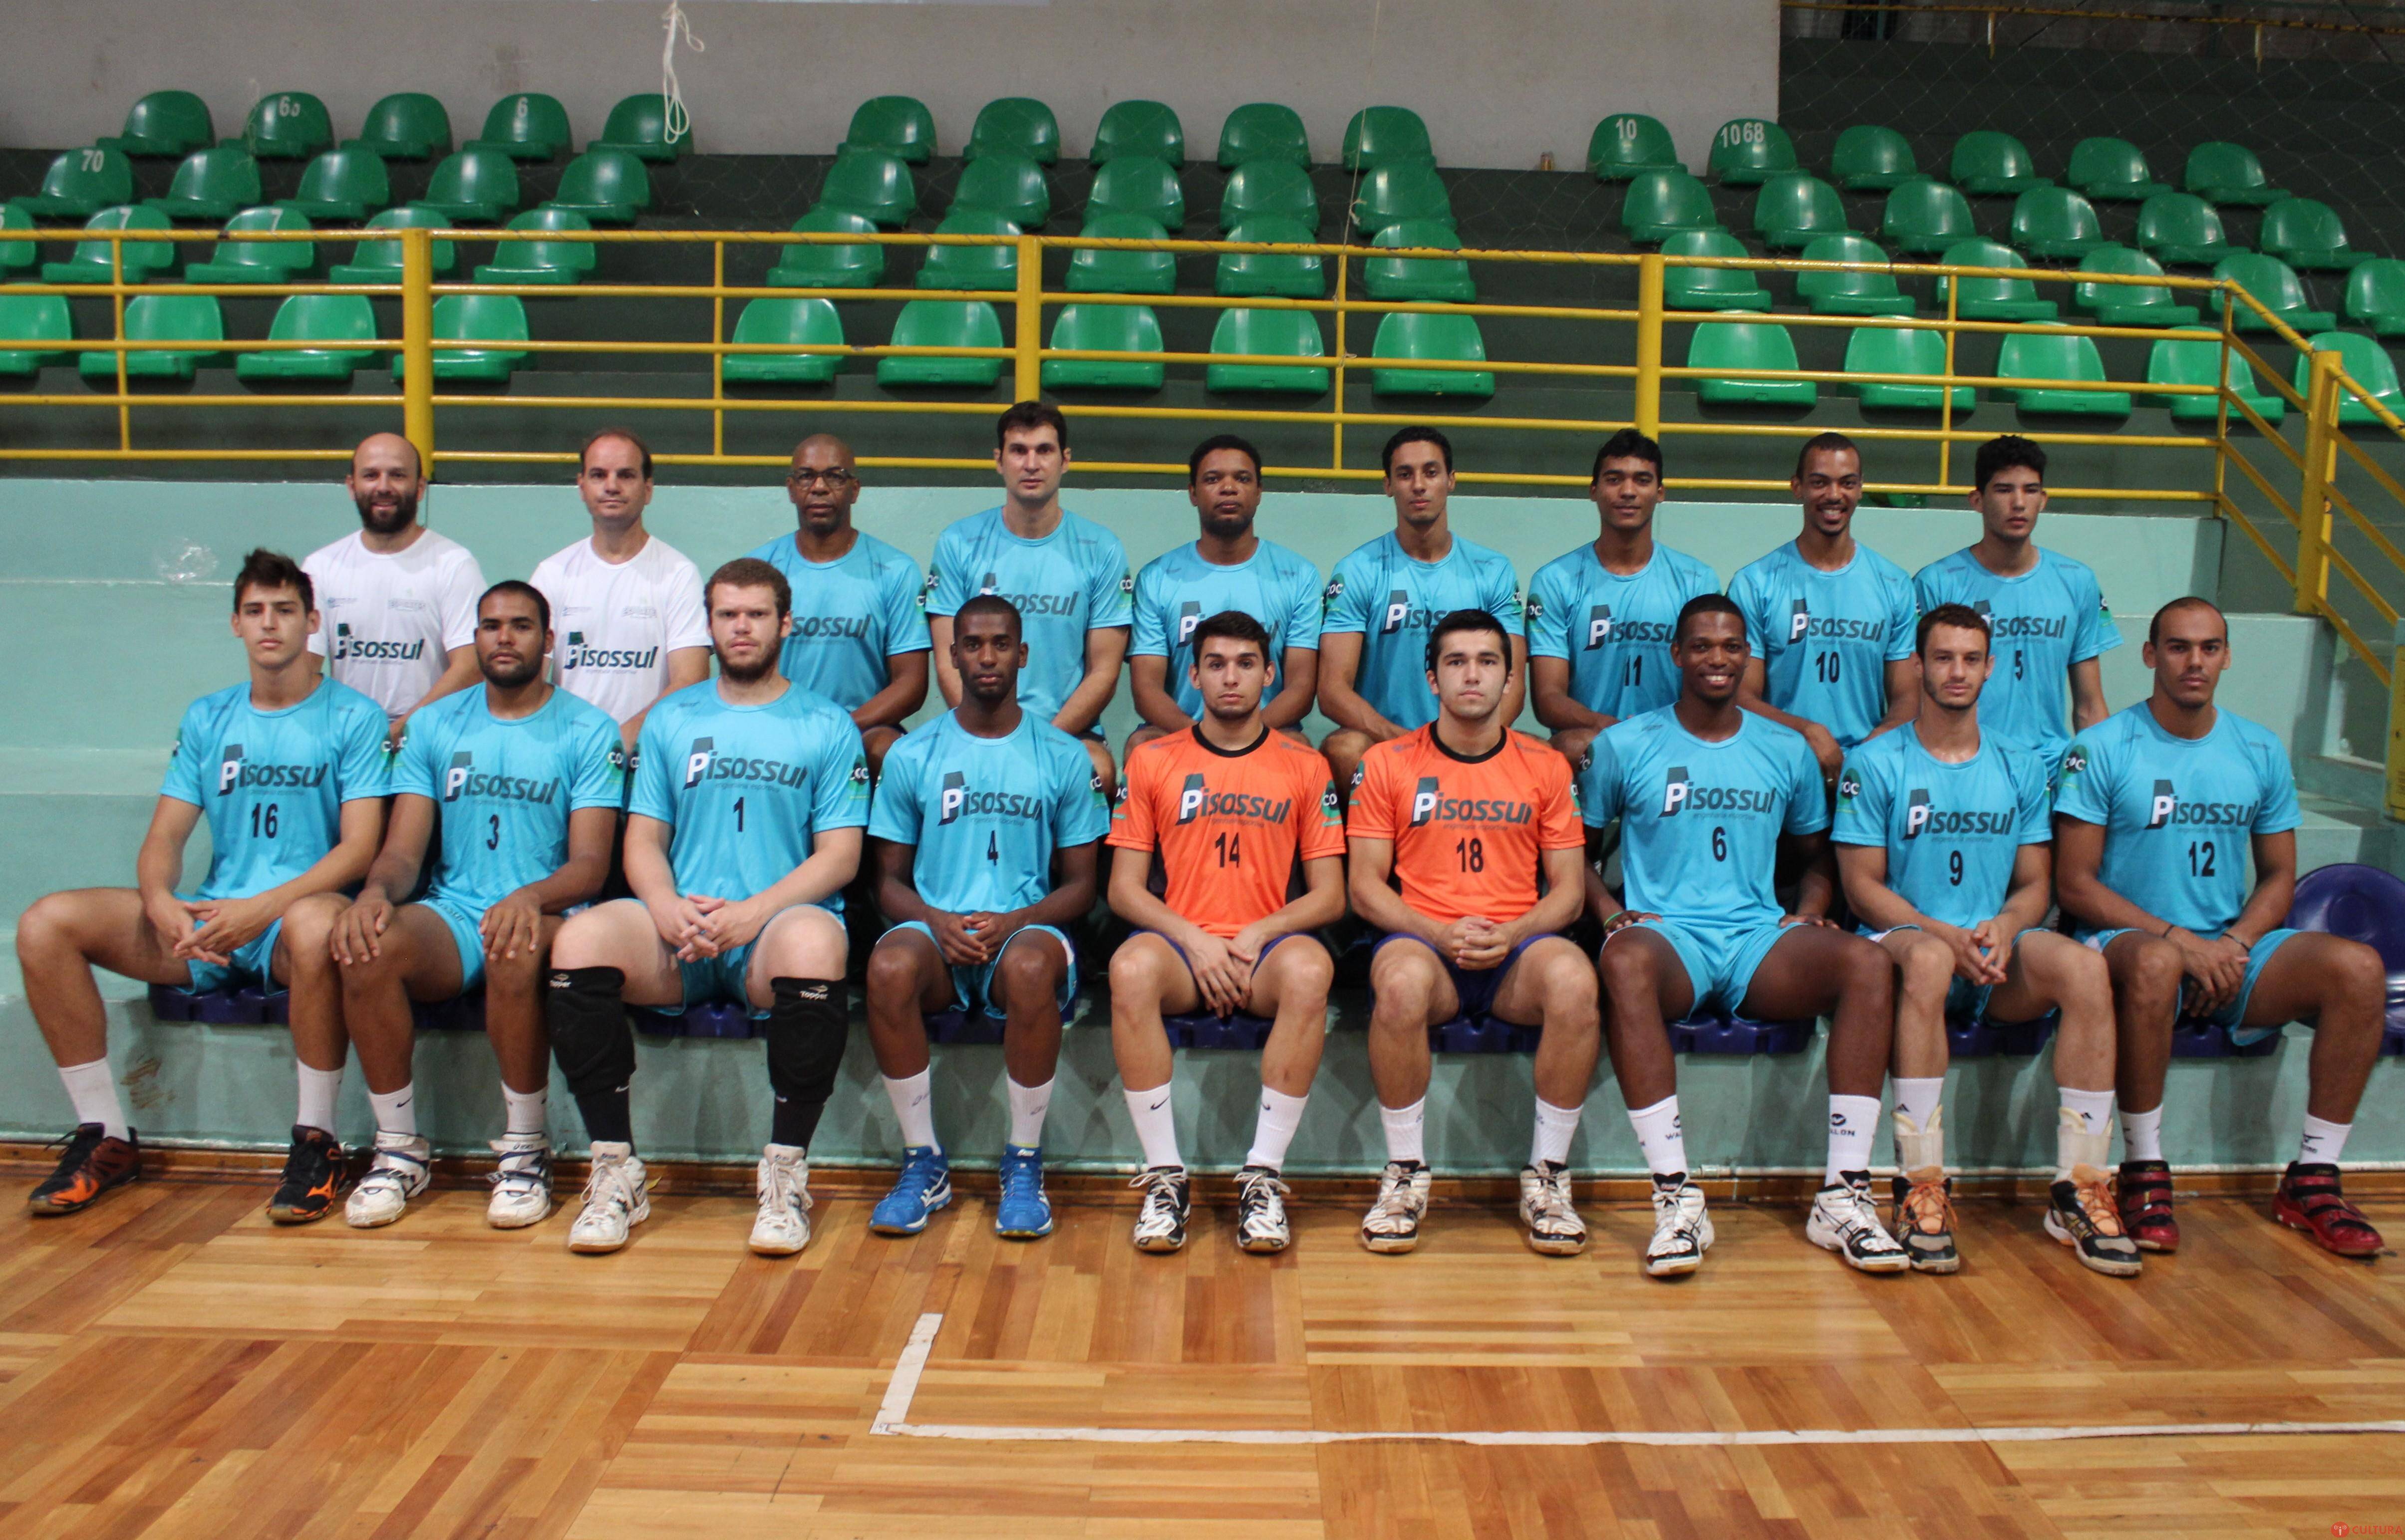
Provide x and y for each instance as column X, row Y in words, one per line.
column 913, row 1099
column 2323, row 1144
column 1156, row 1125
column 1919, row 1139
column 93, row 1091
column 530, row 1112
column 1853, row 1123
column 1918, row 1099
column 1406, row 1131
column 396, row 1112
column 1661, row 1136
column 1028, row 1105
column 2142, row 1135
column 1273, row 1130
column 2083, row 1130
column 319, row 1088
column 1551, row 1144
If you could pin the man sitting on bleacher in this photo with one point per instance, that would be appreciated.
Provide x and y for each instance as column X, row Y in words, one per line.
column 2158, row 810
column 289, row 770
column 1234, row 808
column 1713, row 800
column 1480, row 827
column 749, row 795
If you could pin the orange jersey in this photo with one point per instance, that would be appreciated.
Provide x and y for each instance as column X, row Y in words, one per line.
column 1229, row 827
column 1469, row 836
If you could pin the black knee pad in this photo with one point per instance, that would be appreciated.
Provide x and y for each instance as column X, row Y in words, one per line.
column 589, row 1035
column 807, row 1023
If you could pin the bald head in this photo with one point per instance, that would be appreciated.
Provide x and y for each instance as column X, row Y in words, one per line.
column 384, row 483
column 824, row 485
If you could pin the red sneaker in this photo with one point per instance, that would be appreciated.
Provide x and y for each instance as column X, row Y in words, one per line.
column 2309, row 1200
column 2143, row 1192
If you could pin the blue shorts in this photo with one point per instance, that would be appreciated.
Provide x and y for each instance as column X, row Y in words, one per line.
column 1720, row 960
column 1965, row 1000
column 1267, row 947
column 721, row 977
column 1475, row 987
column 2230, row 1016
column 972, row 985
column 250, row 965
column 464, row 935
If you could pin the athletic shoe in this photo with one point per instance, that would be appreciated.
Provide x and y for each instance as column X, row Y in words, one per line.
column 313, row 1175
column 521, row 1183
column 1844, row 1220
column 1023, row 1213
column 1923, row 1220
column 2082, row 1216
column 1260, row 1210
column 1160, row 1223
column 2143, row 1192
column 1393, row 1223
column 94, row 1163
column 783, row 1183
column 1682, row 1232
column 1554, row 1227
column 923, row 1186
column 617, row 1197
column 2309, row 1200
column 402, row 1170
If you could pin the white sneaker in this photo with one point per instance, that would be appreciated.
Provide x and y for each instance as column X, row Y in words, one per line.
column 1393, row 1223
column 1260, row 1210
column 1844, row 1220
column 399, row 1172
column 616, row 1199
column 1168, row 1198
column 1682, row 1232
column 1554, row 1227
column 521, row 1183
column 784, row 1181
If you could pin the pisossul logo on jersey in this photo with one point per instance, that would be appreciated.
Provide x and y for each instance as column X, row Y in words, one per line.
column 461, row 781
column 1189, row 615
column 1197, row 800
column 350, row 649
column 830, row 628
column 2165, row 810
column 1030, row 604
column 1679, row 793
column 957, row 799
column 703, row 761
column 1922, row 818
column 1430, row 804
column 234, row 771
column 576, row 655
column 1801, row 622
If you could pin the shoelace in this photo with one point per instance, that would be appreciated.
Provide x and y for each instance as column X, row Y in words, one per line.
column 1857, row 1217
column 782, row 1189
column 1929, row 1207
column 1672, row 1221
column 1264, row 1188
column 1021, row 1178
column 1395, row 1197
column 522, row 1170
column 1551, row 1200
column 2096, row 1201
column 608, row 1186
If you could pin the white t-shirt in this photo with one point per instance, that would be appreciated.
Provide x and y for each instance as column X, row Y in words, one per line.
column 387, row 623
column 613, row 626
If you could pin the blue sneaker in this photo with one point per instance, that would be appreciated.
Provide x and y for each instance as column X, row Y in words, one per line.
column 924, row 1185
column 1024, row 1213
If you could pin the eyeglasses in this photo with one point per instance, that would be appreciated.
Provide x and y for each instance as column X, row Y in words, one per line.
column 833, row 480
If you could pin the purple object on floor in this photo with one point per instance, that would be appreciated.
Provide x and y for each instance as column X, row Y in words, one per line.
column 1736, row 1035
column 1976, row 1038
column 2362, row 903
column 962, row 1027
column 1205, row 1031
column 244, row 1007
column 1483, row 1034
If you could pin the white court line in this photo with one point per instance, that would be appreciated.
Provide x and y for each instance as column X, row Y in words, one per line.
column 892, row 1414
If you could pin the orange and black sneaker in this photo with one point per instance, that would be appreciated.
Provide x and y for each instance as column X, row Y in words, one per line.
column 2309, row 1199
column 2141, row 1190
column 312, row 1178
column 94, row 1162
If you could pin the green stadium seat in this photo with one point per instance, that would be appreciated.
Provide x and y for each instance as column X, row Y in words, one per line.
column 1289, row 333
column 288, row 125
column 2182, row 230
column 1419, row 334
column 2276, row 285
column 32, row 318
column 2375, row 296
column 1012, row 185
column 91, row 263
column 993, row 269
column 16, row 256
column 1795, row 208
column 785, row 323
column 1709, row 287
column 342, row 186
column 2366, row 363
column 480, row 317
column 871, row 183
column 1872, row 158
column 210, row 185
column 2219, row 172
column 559, row 263
column 1278, row 189
column 1898, row 350
column 1924, row 217
column 638, row 126
column 608, row 185
column 1627, row 142
column 2056, row 224
column 1994, row 165
column 1747, row 152
column 1015, row 125
column 1386, row 137
column 1993, row 298
column 1660, row 204
column 240, row 262
column 1424, row 278
column 1867, row 293
column 1391, row 194
column 477, row 184
column 329, row 318
column 2197, row 360
column 1263, row 131
column 80, row 183
column 2048, row 356
column 526, row 126
column 379, row 261
column 1136, row 184
column 408, row 125
column 1105, row 328
column 165, row 124
column 1271, row 275
column 899, row 126
column 2111, row 170
column 809, row 265
column 1747, row 344
column 161, row 318
column 2305, row 233
column 1103, row 270
column 944, row 323
column 2129, row 304
column 1139, row 128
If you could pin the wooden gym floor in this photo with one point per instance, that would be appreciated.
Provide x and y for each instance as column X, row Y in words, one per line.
column 172, row 1365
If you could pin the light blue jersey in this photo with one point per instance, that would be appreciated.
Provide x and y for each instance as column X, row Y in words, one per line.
column 1071, row 581
column 986, row 814
column 1950, row 830
column 747, row 787
column 1614, row 631
column 1699, row 822
column 2178, row 814
column 2043, row 621
column 1825, row 638
column 504, row 789
column 273, row 783
column 1178, row 590
column 849, row 615
column 1394, row 601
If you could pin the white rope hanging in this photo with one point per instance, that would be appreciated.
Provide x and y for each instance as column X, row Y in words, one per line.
column 680, row 121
